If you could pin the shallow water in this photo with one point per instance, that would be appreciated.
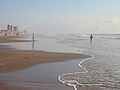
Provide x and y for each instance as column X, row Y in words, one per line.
column 104, row 68
column 44, row 43
column 41, row 76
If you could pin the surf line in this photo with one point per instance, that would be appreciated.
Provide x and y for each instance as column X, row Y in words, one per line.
column 69, row 82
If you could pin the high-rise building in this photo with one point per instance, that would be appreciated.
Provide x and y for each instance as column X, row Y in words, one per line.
column 15, row 29
column 9, row 28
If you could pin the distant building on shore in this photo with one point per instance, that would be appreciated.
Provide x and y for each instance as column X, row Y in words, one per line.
column 10, row 29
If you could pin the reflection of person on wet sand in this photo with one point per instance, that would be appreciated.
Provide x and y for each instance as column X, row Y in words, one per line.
column 33, row 44
column 91, row 37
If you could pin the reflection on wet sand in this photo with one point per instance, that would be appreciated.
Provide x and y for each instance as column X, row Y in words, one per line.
column 33, row 44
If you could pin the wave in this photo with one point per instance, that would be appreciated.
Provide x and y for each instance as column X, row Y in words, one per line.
column 105, row 79
column 73, row 83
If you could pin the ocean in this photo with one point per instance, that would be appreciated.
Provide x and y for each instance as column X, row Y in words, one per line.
column 103, row 69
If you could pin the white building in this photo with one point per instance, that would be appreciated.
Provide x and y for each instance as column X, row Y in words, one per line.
column 12, row 29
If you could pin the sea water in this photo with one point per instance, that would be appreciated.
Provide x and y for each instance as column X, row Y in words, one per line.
column 103, row 69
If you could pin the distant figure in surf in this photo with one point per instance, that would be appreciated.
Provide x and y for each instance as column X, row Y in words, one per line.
column 91, row 37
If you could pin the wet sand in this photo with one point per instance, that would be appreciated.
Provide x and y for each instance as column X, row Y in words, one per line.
column 8, row 40
column 12, row 60
column 79, row 87
column 6, row 87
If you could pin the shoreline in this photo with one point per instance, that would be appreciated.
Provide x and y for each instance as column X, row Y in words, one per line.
column 12, row 60
column 8, row 40
column 74, row 83
column 24, row 58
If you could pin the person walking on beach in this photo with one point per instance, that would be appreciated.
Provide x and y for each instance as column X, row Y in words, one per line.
column 33, row 37
column 33, row 41
column 91, row 37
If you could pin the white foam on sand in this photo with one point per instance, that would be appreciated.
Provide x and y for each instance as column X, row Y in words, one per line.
column 73, row 83
column 102, row 78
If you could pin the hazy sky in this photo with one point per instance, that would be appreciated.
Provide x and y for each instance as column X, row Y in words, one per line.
column 62, row 16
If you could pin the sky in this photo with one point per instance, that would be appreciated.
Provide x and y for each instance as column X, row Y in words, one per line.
column 62, row 16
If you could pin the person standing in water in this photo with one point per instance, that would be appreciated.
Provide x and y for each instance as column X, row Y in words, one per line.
column 91, row 37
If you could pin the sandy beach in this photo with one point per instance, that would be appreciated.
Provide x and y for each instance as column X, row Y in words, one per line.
column 6, row 87
column 6, row 39
column 12, row 60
